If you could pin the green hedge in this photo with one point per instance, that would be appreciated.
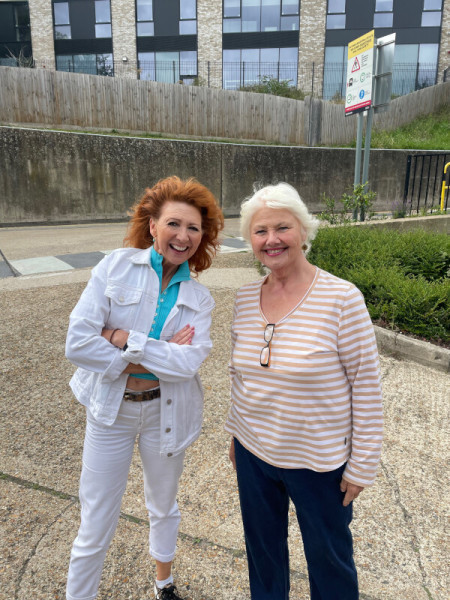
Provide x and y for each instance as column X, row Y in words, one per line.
column 405, row 277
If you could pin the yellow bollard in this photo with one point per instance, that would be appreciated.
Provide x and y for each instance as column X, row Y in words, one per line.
column 444, row 187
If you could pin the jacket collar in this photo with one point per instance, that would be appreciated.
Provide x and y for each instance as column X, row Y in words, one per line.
column 186, row 295
column 142, row 257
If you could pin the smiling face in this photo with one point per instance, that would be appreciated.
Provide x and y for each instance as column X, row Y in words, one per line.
column 277, row 237
column 177, row 232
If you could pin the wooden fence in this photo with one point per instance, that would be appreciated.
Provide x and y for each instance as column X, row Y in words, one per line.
column 56, row 98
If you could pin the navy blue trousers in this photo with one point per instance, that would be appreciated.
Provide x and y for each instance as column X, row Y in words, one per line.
column 264, row 493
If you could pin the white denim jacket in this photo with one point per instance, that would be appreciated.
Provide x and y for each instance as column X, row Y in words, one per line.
column 122, row 293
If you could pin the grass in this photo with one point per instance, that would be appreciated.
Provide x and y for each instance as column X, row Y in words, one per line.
column 430, row 132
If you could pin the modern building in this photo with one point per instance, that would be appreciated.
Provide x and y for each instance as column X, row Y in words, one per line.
column 227, row 43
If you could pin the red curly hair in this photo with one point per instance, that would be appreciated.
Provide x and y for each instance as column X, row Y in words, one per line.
column 191, row 192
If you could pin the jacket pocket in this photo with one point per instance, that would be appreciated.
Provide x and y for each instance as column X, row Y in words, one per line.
column 124, row 301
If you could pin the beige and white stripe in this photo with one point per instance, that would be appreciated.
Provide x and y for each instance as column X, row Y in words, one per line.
column 318, row 404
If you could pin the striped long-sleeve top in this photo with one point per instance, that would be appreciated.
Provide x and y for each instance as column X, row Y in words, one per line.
column 318, row 404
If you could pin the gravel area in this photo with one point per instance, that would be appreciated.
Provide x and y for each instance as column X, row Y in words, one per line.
column 399, row 525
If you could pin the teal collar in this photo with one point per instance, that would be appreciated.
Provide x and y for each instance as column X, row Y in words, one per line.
column 182, row 273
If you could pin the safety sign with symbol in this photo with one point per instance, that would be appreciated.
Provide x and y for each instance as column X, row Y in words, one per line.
column 359, row 74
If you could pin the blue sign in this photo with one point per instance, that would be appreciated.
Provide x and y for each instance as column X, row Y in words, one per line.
column 361, row 94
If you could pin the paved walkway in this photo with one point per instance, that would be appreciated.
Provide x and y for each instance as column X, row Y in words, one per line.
column 19, row 257
column 401, row 543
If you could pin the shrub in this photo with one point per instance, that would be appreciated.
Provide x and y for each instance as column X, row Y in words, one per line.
column 404, row 277
column 271, row 85
column 359, row 201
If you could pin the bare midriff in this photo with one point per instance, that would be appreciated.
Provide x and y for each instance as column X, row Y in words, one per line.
column 141, row 385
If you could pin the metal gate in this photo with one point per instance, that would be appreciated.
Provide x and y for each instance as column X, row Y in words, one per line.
column 427, row 183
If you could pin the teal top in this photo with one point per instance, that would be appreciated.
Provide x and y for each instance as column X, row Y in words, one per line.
column 166, row 300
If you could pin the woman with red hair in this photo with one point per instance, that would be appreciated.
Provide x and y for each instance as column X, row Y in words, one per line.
column 138, row 336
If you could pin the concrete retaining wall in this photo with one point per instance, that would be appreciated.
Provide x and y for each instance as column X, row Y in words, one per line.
column 50, row 176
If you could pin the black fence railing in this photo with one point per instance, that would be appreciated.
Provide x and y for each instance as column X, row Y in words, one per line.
column 427, row 183
column 322, row 81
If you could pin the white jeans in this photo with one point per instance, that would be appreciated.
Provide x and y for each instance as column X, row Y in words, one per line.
column 107, row 457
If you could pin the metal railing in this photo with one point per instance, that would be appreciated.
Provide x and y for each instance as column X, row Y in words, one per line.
column 322, row 81
column 424, row 183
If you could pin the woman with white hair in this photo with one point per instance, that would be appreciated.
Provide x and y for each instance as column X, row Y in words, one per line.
column 306, row 414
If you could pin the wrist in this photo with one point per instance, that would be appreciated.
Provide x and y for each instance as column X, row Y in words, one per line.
column 111, row 337
column 111, row 341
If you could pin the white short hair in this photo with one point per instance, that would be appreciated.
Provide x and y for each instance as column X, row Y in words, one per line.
column 279, row 196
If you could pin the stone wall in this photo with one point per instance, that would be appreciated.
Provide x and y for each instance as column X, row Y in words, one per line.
column 444, row 50
column 123, row 19
column 313, row 14
column 50, row 176
column 209, row 27
column 41, row 24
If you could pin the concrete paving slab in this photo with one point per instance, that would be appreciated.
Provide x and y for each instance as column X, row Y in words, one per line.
column 41, row 264
column 82, row 259
column 5, row 270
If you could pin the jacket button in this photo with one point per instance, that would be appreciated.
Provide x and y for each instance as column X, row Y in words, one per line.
column 168, row 429
column 170, row 454
column 169, row 401
column 121, row 299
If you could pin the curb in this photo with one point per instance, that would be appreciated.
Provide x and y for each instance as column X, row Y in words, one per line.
column 401, row 346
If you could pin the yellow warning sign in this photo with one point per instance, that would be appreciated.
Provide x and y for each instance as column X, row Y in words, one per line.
column 361, row 44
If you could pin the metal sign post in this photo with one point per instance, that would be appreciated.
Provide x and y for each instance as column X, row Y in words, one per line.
column 369, row 88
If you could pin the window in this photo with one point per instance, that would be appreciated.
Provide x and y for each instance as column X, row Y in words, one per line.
column 336, row 6
column 431, row 19
column 260, row 15
column 289, row 7
column 335, row 72
column 383, row 16
column 22, row 23
column 62, row 21
column 336, row 14
column 428, row 62
column 270, row 15
column 91, row 64
column 144, row 14
column 168, row 67
column 415, row 66
column 231, row 8
column 247, row 66
column 432, row 5
column 188, row 9
column 188, row 17
column 431, row 15
column 251, row 15
column 384, row 5
column 382, row 20
column 102, row 19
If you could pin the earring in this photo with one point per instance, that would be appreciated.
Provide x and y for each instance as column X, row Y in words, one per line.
column 304, row 247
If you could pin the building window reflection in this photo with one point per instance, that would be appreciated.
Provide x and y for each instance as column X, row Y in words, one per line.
column 336, row 14
column 415, row 67
column 145, row 26
column 432, row 13
column 244, row 67
column 82, row 20
column 260, row 15
column 188, row 17
column 383, row 16
column 62, row 21
column 102, row 19
column 168, row 67
column 90, row 64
